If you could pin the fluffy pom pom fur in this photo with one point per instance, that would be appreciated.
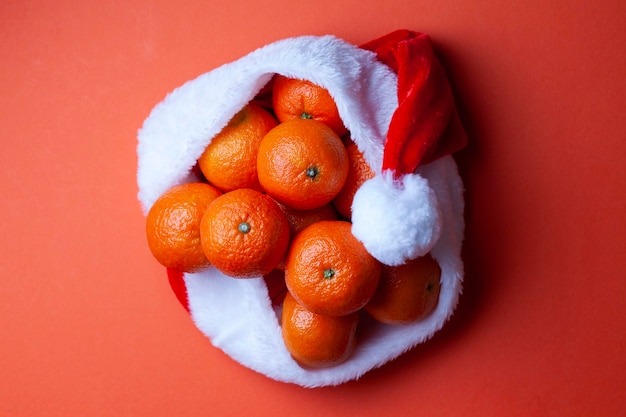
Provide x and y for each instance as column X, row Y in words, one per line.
column 396, row 219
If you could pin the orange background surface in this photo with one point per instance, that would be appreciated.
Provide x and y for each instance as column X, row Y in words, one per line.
column 88, row 323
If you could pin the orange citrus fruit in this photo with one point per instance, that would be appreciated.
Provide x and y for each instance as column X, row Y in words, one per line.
column 329, row 271
column 302, row 164
column 173, row 226
column 315, row 340
column 244, row 233
column 301, row 219
column 229, row 161
column 359, row 172
column 293, row 98
column 406, row 293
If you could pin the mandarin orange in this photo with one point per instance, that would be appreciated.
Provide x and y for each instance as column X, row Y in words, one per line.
column 244, row 233
column 329, row 271
column 301, row 219
column 315, row 340
column 229, row 161
column 302, row 164
column 406, row 293
column 293, row 98
column 173, row 226
column 359, row 172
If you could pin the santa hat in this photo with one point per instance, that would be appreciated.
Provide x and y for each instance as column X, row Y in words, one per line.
column 393, row 96
column 396, row 214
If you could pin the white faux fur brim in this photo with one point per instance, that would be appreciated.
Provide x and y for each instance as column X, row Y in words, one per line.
column 237, row 315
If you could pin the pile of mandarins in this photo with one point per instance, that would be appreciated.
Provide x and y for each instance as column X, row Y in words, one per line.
column 274, row 200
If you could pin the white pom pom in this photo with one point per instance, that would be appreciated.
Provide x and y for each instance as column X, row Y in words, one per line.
column 396, row 219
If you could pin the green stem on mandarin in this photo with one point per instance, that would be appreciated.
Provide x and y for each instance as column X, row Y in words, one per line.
column 244, row 227
column 306, row 115
column 329, row 273
column 312, row 172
